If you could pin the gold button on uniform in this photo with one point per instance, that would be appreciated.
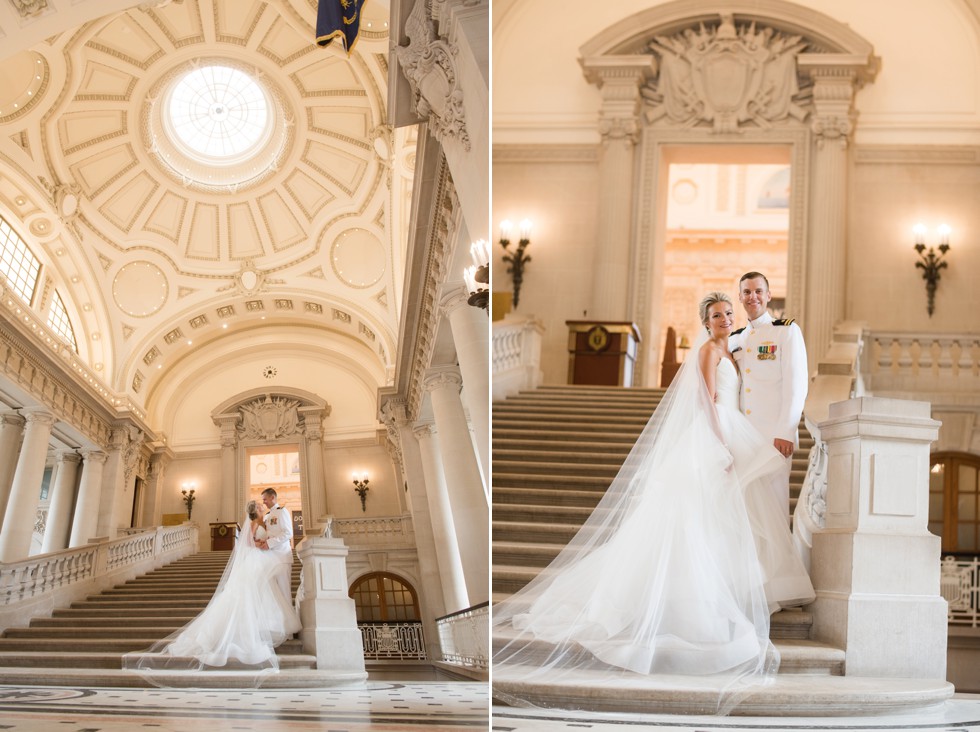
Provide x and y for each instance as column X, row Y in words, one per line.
column 748, row 371
column 748, row 411
column 748, row 391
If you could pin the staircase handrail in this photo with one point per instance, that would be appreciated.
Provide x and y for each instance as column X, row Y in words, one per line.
column 516, row 355
column 46, row 581
column 837, row 378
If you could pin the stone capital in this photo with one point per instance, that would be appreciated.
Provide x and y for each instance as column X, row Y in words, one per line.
column 452, row 296
column 39, row 416
column 94, row 457
column 68, row 456
column 424, row 430
column 11, row 418
column 442, row 377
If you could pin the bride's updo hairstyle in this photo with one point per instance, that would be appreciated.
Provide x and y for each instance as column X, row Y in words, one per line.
column 251, row 508
column 710, row 299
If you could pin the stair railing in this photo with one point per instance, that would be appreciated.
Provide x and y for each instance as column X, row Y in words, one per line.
column 464, row 637
column 838, row 377
column 37, row 585
column 516, row 355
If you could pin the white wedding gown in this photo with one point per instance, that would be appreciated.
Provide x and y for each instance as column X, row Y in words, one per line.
column 677, row 569
column 240, row 628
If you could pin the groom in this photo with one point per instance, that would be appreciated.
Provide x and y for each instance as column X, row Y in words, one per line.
column 772, row 358
column 279, row 527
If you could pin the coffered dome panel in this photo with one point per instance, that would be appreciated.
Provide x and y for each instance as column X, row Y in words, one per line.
column 358, row 258
column 102, row 82
column 140, row 289
column 125, row 39
column 23, row 81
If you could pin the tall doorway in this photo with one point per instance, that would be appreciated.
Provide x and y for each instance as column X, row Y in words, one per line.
column 727, row 213
column 277, row 467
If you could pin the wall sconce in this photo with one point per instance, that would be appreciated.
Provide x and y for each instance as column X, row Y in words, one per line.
column 518, row 259
column 477, row 276
column 931, row 263
column 188, row 492
column 361, row 488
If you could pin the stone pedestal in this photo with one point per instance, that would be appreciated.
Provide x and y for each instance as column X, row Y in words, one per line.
column 875, row 566
column 329, row 621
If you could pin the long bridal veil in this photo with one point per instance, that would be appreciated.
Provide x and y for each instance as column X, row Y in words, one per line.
column 663, row 579
column 237, row 631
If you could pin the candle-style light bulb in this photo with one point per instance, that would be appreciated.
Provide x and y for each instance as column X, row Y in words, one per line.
column 944, row 234
column 526, row 229
column 469, row 277
column 920, row 233
column 505, row 228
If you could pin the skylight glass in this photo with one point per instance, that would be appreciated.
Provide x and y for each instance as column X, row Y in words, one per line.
column 18, row 264
column 218, row 113
column 58, row 321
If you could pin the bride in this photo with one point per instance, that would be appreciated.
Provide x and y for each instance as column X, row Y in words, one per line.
column 243, row 623
column 680, row 565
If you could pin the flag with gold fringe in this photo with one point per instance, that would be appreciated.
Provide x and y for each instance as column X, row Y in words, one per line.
column 338, row 19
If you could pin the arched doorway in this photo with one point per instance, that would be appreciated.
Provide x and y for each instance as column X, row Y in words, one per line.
column 388, row 616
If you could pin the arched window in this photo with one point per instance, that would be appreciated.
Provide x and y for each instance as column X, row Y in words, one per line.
column 18, row 264
column 58, row 321
column 954, row 501
column 384, row 597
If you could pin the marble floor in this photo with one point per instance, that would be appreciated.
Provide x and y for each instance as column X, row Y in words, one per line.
column 441, row 706
column 961, row 714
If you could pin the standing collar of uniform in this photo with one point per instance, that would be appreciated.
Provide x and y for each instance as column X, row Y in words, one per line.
column 764, row 319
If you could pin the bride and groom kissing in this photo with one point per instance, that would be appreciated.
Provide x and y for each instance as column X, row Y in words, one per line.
column 689, row 552
column 251, row 611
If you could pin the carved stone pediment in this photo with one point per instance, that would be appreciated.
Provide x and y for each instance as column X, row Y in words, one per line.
column 727, row 77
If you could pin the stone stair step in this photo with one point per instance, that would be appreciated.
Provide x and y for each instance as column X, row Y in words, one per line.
column 533, row 531
column 525, row 555
column 622, row 447
column 97, row 620
column 104, row 660
column 287, row 678
column 544, row 496
column 547, row 433
column 519, row 467
column 565, row 457
column 527, row 512
column 559, row 481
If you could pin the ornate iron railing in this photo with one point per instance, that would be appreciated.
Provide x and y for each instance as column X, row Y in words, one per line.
column 392, row 641
column 960, row 586
column 464, row 637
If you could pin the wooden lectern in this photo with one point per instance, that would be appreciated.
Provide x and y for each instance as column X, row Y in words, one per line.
column 223, row 535
column 601, row 352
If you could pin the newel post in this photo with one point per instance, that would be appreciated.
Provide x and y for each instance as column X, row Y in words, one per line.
column 875, row 566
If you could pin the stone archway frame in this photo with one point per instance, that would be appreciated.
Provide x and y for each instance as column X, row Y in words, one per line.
column 637, row 128
column 296, row 418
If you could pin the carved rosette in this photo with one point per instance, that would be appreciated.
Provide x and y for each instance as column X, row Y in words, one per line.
column 429, row 64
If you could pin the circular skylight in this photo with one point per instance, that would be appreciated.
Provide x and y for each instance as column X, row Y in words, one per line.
column 218, row 113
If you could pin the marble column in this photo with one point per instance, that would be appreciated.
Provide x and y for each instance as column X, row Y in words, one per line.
column 441, row 517
column 11, row 432
column 394, row 414
column 86, row 520
column 153, row 488
column 228, row 423
column 62, row 497
column 471, row 336
column 620, row 79
column 470, row 507
column 316, row 505
column 25, row 491
column 832, row 125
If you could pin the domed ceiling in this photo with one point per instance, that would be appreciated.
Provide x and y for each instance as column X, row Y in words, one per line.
column 192, row 171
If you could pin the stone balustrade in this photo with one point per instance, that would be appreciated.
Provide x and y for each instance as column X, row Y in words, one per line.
column 35, row 586
column 921, row 362
column 375, row 531
column 516, row 355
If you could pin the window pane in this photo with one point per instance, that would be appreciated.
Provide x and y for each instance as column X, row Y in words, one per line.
column 967, row 479
column 936, row 528
column 18, row 264
column 936, row 507
column 966, row 538
column 966, row 507
column 59, row 323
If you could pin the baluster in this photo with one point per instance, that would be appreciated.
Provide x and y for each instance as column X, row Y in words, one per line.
column 926, row 360
column 904, row 356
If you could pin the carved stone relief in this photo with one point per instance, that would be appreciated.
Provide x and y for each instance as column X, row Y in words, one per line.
column 429, row 65
column 727, row 77
column 269, row 418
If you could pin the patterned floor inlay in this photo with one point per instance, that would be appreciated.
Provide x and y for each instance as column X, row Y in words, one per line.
column 381, row 706
column 961, row 714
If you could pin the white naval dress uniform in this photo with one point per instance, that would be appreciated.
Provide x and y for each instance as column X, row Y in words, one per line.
column 279, row 527
column 771, row 357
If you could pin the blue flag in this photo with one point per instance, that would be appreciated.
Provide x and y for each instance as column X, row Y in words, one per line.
column 338, row 19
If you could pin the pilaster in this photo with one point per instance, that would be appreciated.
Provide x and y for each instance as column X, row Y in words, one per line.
column 620, row 79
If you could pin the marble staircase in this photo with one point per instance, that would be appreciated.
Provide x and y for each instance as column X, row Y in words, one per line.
column 84, row 643
column 555, row 451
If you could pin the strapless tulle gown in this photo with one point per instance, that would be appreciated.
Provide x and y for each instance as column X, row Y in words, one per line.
column 683, row 576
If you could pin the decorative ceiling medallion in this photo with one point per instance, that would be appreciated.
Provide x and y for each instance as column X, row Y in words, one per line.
column 217, row 125
column 25, row 79
column 358, row 258
column 269, row 372
column 140, row 289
